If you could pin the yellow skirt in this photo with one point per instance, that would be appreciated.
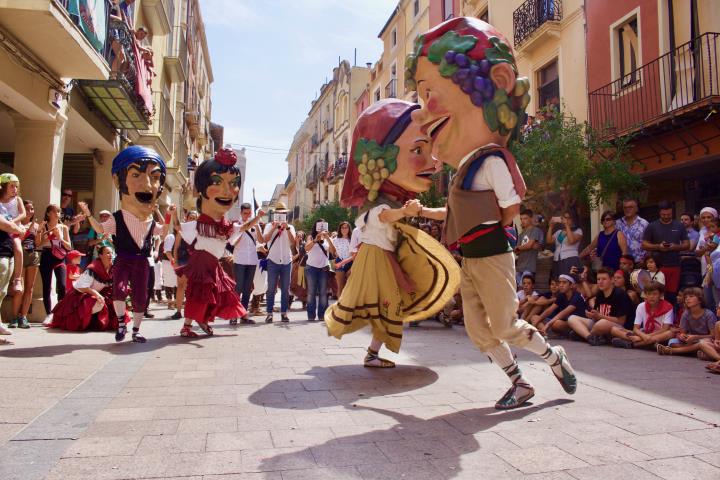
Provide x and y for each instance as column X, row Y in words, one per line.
column 372, row 296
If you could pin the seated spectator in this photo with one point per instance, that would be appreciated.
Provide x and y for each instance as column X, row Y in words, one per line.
column 607, row 247
column 622, row 281
column 696, row 325
column 679, row 307
column 610, row 308
column 526, row 292
column 711, row 350
column 535, row 305
column 653, row 268
column 627, row 263
column 653, row 322
column 568, row 301
column 529, row 243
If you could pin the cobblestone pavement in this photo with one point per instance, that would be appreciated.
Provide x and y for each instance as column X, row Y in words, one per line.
column 286, row 402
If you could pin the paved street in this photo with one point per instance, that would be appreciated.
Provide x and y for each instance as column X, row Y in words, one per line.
column 286, row 402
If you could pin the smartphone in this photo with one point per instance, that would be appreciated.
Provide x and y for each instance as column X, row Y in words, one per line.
column 321, row 226
column 280, row 217
column 556, row 220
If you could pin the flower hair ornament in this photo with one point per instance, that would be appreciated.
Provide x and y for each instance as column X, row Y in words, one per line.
column 226, row 156
column 375, row 163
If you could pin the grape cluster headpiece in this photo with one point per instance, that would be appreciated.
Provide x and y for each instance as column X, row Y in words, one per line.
column 465, row 49
column 373, row 156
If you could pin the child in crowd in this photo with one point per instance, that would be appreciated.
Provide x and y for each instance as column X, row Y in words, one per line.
column 568, row 302
column 653, row 321
column 710, row 350
column 73, row 269
column 653, row 268
column 13, row 209
column 526, row 292
column 541, row 302
column 696, row 326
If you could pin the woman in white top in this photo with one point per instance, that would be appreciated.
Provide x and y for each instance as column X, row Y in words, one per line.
column 567, row 244
column 344, row 258
column 319, row 247
column 89, row 305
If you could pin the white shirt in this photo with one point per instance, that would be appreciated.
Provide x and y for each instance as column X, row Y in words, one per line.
column 86, row 280
column 10, row 209
column 168, row 245
column 342, row 247
column 494, row 174
column 521, row 295
column 565, row 250
column 355, row 240
column 641, row 316
column 281, row 251
column 316, row 258
column 375, row 232
column 245, row 252
column 214, row 246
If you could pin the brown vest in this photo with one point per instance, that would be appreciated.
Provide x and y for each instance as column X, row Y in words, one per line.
column 466, row 209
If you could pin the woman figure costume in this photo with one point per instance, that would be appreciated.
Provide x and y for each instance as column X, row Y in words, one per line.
column 81, row 310
column 210, row 291
column 400, row 274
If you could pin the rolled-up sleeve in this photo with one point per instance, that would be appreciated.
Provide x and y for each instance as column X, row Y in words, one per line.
column 499, row 178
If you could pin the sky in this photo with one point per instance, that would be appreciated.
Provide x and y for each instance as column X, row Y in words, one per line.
column 269, row 60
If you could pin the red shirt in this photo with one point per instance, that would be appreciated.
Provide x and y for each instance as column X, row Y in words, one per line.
column 71, row 271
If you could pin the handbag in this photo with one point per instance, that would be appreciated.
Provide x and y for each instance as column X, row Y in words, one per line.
column 264, row 261
column 58, row 250
column 597, row 262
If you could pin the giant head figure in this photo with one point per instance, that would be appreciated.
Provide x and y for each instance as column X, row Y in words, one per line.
column 465, row 74
column 217, row 183
column 389, row 156
column 139, row 173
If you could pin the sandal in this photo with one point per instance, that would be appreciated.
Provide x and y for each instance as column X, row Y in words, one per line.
column 372, row 360
column 233, row 322
column 138, row 338
column 663, row 350
column 703, row 356
column 510, row 400
column 713, row 368
column 186, row 331
column 205, row 327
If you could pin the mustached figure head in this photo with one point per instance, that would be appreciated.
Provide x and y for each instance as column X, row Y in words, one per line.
column 139, row 173
column 217, row 183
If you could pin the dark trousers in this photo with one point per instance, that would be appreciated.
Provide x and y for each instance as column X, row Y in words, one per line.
column 130, row 275
column 49, row 265
column 244, row 275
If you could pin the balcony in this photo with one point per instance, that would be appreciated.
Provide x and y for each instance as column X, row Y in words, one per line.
column 287, row 180
column 339, row 168
column 682, row 83
column 160, row 15
column 534, row 21
column 125, row 99
column 312, row 177
column 176, row 63
column 314, row 140
column 192, row 120
column 391, row 89
column 58, row 36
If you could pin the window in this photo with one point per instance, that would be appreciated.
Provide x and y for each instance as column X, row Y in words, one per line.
column 393, row 37
column 448, row 9
column 484, row 16
column 627, row 54
column 416, row 7
column 548, row 86
column 377, row 95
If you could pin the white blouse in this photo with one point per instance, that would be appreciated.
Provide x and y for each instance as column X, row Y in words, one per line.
column 342, row 246
column 86, row 280
column 375, row 232
column 212, row 245
column 316, row 258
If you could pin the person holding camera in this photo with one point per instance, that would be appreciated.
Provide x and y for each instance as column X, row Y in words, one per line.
column 280, row 238
column 566, row 236
column 319, row 247
column 665, row 238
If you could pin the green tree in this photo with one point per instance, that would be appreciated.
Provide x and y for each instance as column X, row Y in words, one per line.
column 333, row 213
column 432, row 198
column 573, row 163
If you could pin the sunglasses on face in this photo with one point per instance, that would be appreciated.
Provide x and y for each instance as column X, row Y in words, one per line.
column 609, row 219
column 66, row 195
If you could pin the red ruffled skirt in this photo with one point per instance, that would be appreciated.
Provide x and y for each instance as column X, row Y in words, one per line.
column 210, row 291
column 74, row 312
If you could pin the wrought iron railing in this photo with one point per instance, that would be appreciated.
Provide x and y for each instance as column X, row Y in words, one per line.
column 311, row 178
column 391, row 89
column 670, row 85
column 531, row 15
column 339, row 168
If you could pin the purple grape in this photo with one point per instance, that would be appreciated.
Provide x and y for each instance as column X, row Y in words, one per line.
column 463, row 73
column 450, row 56
column 467, row 86
column 477, row 98
column 489, row 91
column 485, row 67
column 480, row 83
column 474, row 69
column 461, row 60
column 456, row 78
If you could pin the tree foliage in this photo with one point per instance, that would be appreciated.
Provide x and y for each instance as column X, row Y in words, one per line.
column 571, row 160
column 332, row 213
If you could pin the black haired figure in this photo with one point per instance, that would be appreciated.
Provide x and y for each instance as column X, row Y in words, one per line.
column 210, row 291
column 139, row 174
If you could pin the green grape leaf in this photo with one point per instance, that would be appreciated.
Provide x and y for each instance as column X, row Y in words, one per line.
column 499, row 52
column 450, row 41
column 490, row 114
column 446, row 69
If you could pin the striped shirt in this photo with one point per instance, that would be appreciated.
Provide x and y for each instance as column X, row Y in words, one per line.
column 138, row 228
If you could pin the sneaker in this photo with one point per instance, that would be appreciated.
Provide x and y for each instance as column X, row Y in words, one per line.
column 269, row 318
column 14, row 322
column 120, row 334
column 148, row 315
column 4, row 330
column 573, row 335
column 284, row 318
column 177, row 315
column 138, row 338
column 597, row 340
column 23, row 323
column 621, row 343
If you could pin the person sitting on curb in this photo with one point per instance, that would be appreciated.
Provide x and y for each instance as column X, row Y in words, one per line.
column 568, row 300
column 653, row 322
column 535, row 305
column 610, row 309
column 696, row 326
